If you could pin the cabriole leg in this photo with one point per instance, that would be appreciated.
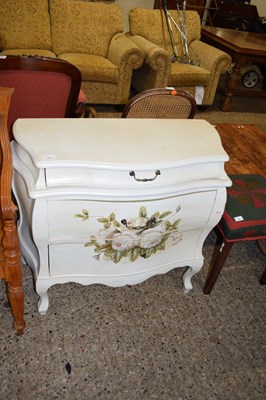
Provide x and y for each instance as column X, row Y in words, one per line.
column 42, row 291
column 190, row 272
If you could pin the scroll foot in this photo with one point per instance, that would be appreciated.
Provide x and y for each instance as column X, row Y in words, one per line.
column 43, row 303
column 190, row 272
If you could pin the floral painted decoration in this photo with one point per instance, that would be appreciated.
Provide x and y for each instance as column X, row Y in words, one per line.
column 141, row 236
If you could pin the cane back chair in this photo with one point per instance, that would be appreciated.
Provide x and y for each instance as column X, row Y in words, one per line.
column 161, row 103
column 10, row 257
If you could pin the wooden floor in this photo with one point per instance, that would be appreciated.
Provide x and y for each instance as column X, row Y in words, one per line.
column 246, row 147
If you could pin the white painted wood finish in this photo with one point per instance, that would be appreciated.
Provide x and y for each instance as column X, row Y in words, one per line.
column 86, row 219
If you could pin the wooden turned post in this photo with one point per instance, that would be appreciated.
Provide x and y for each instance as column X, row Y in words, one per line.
column 11, row 269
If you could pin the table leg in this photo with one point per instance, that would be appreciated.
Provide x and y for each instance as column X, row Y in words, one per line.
column 232, row 84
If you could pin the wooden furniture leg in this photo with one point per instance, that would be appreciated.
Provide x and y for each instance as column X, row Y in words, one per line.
column 221, row 251
column 232, row 84
column 262, row 246
column 220, row 254
column 263, row 277
column 10, row 256
column 15, row 291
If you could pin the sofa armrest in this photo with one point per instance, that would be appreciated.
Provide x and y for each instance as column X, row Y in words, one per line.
column 215, row 61
column 210, row 57
column 155, row 56
column 124, row 52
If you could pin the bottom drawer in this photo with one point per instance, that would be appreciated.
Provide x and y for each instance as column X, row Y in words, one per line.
column 77, row 260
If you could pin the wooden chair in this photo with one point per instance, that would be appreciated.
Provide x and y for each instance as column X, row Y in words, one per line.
column 244, row 219
column 10, row 257
column 44, row 88
column 161, row 103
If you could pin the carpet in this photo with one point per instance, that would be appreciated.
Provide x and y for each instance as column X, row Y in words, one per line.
column 149, row 341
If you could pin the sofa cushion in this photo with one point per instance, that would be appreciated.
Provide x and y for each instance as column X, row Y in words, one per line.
column 24, row 24
column 93, row 68
column 81, row 27
column 28, row 52
column 187, row 74
column 145, row 23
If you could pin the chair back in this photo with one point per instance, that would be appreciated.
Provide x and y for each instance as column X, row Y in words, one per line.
column 161, row 103
column 44, row 87
column 7, row 208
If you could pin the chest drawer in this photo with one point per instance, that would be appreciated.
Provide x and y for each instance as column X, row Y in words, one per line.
column 119, row 260
column 124, row 159
column 77, row 220
column 132, row 181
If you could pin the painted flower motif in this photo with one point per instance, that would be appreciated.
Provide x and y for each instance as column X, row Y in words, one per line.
column 150, row 239
column 106, row 233
column 136, row 222
column 173, row 239
column 123, row 241
column 134, row 237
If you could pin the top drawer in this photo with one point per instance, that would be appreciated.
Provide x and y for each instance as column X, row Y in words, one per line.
column 123, row 154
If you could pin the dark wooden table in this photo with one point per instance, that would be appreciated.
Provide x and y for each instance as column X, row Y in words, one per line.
column 246, row 147
column 243, row 47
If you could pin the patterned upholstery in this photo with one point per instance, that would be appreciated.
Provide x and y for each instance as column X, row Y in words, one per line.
column 75, row 30
column 245, row 212
column 25, row 25
column 244, row 218
column 148, row 24
column 89, row 35
column 148, row 30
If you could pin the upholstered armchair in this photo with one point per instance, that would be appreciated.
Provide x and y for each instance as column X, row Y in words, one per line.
column 88, row 35
column 148, row 30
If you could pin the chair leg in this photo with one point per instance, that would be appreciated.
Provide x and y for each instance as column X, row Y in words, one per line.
column 13, row 271
column 263, row 277
column 262, row 246
column 15, row 294
column 220, row 253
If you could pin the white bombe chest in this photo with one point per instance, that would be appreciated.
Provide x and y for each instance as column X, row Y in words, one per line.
column 115, row 201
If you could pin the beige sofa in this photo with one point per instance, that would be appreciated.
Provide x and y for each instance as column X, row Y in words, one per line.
column 148, row 30
column 87, row 34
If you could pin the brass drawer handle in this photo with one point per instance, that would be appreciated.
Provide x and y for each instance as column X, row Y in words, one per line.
column 157, row 172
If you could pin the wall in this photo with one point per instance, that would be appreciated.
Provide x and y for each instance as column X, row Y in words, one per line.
column 127, row 5
column 261, row 7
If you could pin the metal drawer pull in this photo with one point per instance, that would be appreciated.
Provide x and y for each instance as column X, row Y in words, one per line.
column 157, row 172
